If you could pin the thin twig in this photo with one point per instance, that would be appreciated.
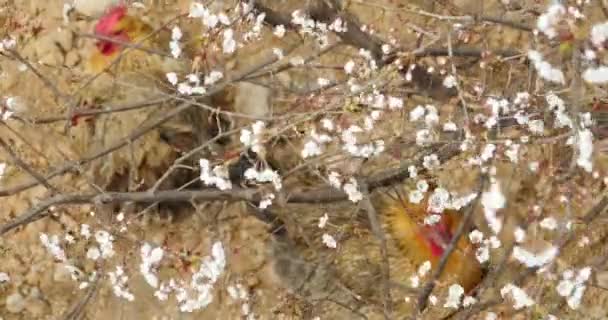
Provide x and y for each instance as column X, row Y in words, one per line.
column 56, row 92
column 20, row 163
column 76, row 312
column 149, row 102
column 372, row 216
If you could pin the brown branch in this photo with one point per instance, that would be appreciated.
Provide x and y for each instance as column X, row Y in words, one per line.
column 372, row 216
column 77, row 310
column 41, row 210
column 467, row 52
column 104, row 110
column 320, row 195
column 21, row 164
column 127, row 44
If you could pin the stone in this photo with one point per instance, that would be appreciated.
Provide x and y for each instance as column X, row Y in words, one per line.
column 15, row 303
column 93, row 7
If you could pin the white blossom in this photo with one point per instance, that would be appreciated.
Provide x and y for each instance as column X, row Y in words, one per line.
column 311, row 149
column 520, row 235
column 455, row 293
column 432, row 219
column 228, row 44
column 52, row 245
column 531, row 260
column 413, row 172
column 172, row 78
column 482, row 254
column 424, row 268
column 352, row 190
column 415, row 196
column 338, row 25
column 266, row 201
column 519, row 296
column 545, row 69
column 329, row 241
column 323, row 221
column 468, row 301
column 423, row 137
column 213, row 77
column 585, row 150
column 492, row 201
column 184, row 88
column 395, row 103
column 201, row 284
column 438, row 200
column 548, row 223
column 450, row 126
column 176, row 35
column 431, row 161
column 572, row 287
column 513, row 152
column 536, row 126
column 85, row 231
column 327, row 124
column 119, row 279
column 323, row 82
column 349, row 66
column 7, row 44
column 105, row 239
column 263, row 176
column 599, row 34
column 149, row 259
column 417, row 113
column 279, row 31
column 449, row 81
column 334, row 180
column 547, row 21
column 93, row 253
column 278, row 52
column 218, row 177
column 414, row 281
column 597, row 75
column 476, row 236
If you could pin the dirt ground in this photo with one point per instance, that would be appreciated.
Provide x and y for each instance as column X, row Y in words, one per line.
column 274, row 277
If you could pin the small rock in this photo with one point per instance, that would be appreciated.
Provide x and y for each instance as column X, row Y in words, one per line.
column 72, row 58
column 62, row 274
column 64, row 38
column 93, row 7
column 15, row 303
column 53, row 58
column 602, row 278
column 37, row 308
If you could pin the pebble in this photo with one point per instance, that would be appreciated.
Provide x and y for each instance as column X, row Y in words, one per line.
column 93, row 7
column 37, row 308
column 15, row 303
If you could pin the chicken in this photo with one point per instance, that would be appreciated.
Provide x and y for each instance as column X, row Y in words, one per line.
column 421, row 243
column 133, row 79
column 117, row 28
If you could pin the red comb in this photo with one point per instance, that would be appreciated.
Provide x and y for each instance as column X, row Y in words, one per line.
column 438, row 236
column 106, row 27
column 106, row 23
